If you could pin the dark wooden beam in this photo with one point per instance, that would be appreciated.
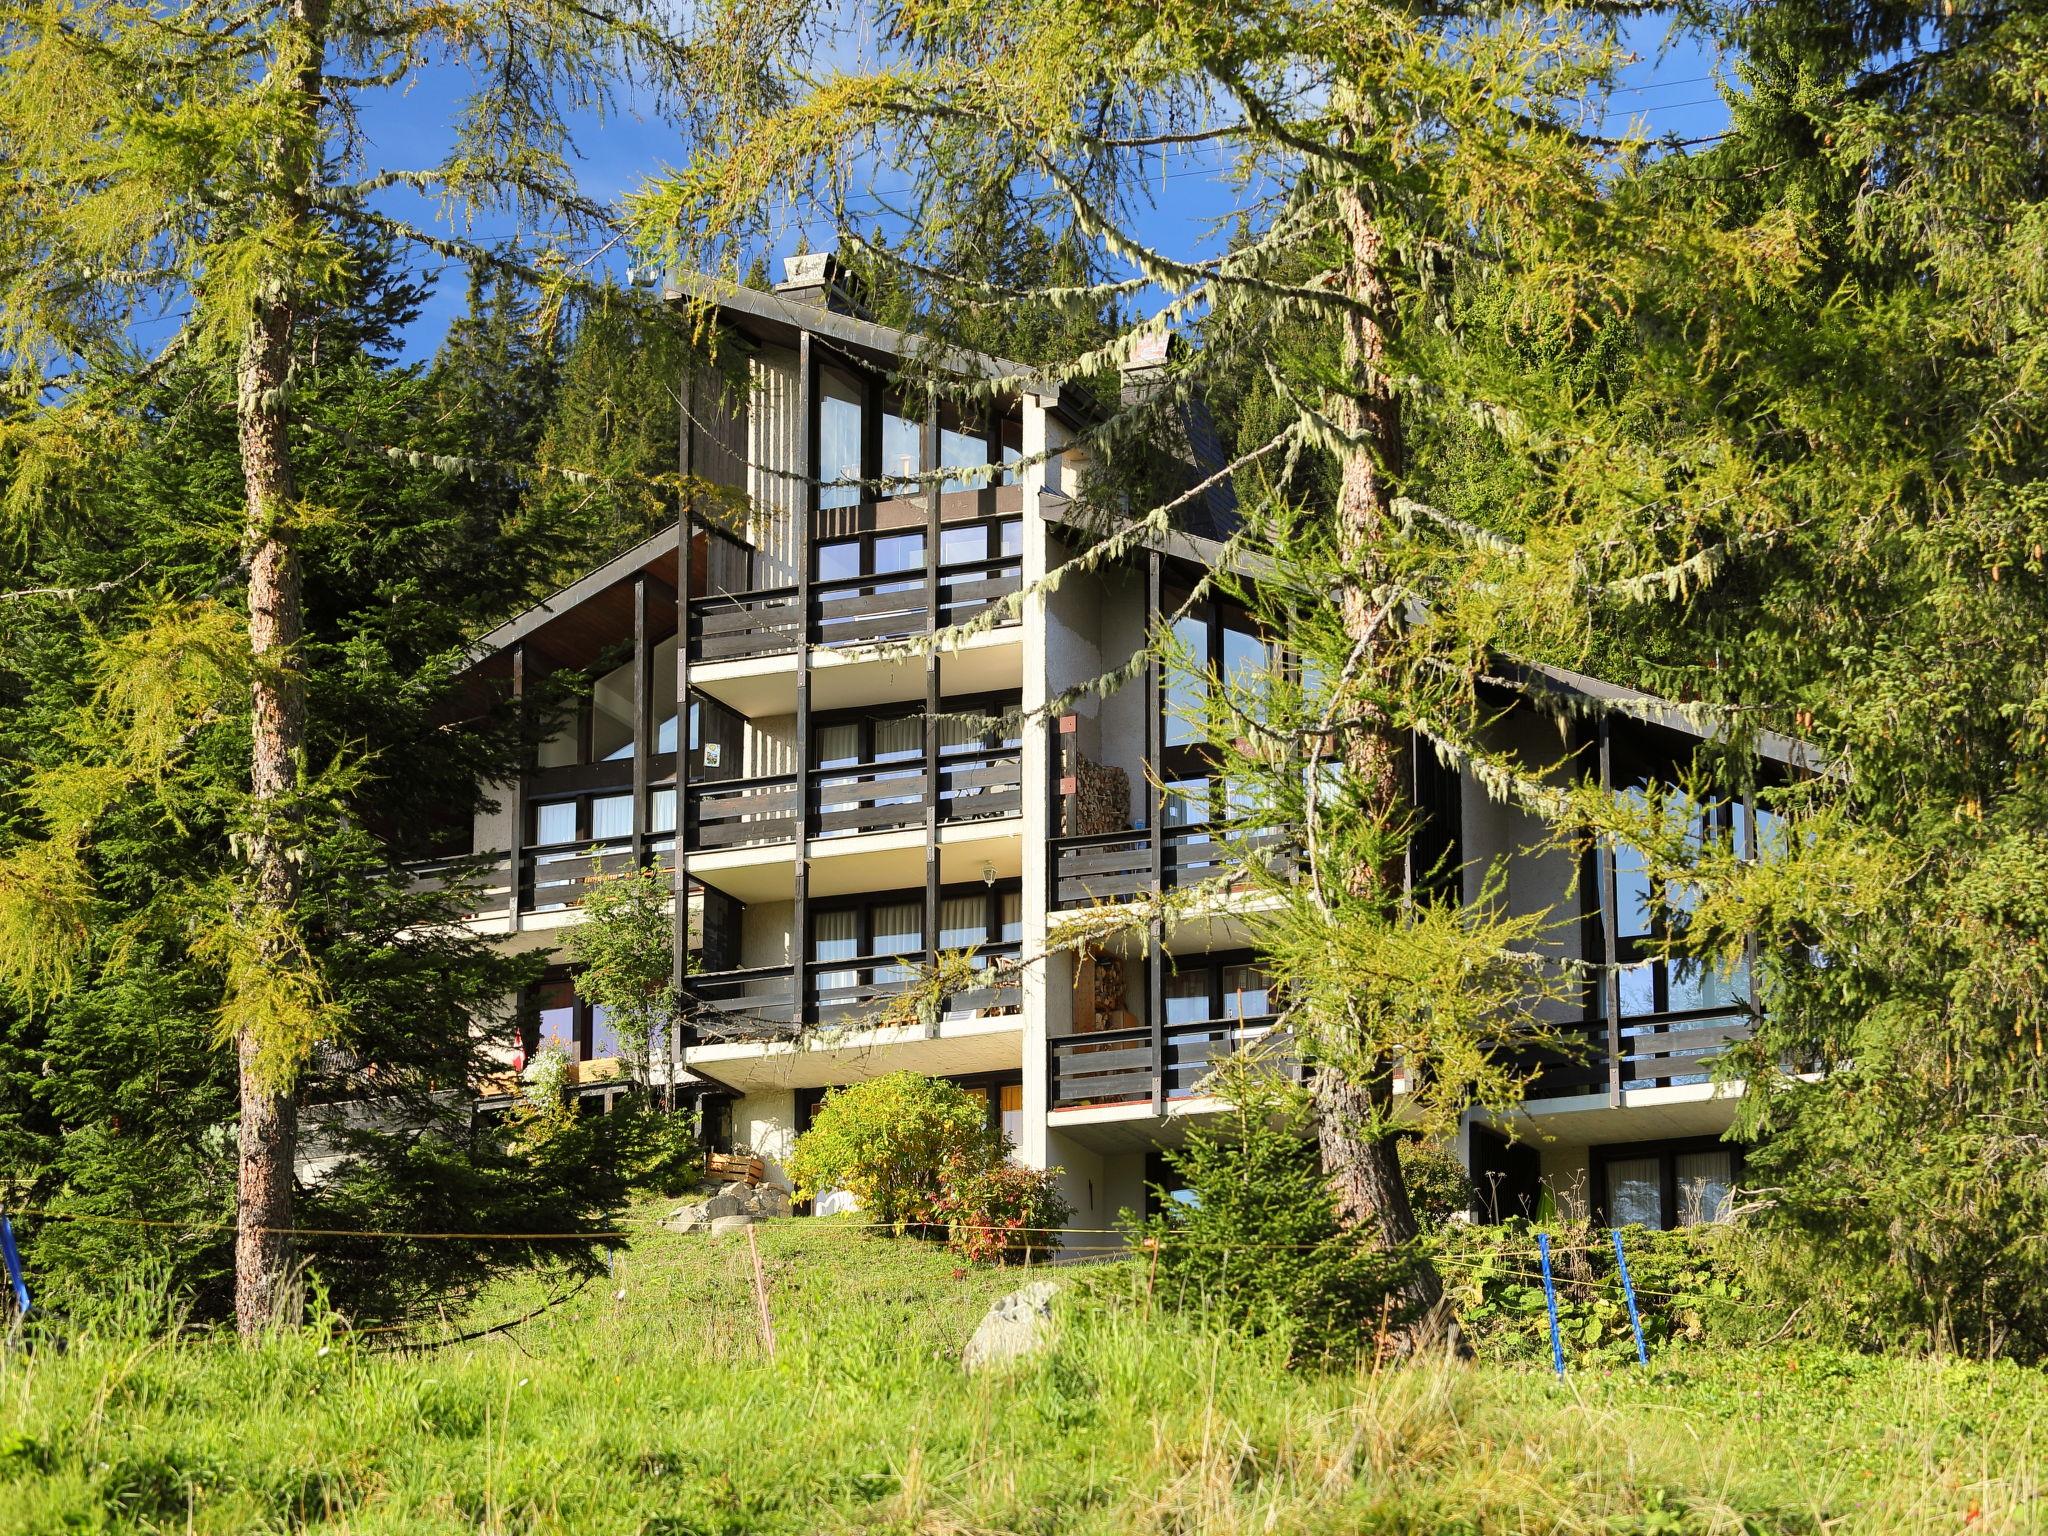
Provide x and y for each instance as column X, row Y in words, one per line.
column 806, row 515
column 1155, row 752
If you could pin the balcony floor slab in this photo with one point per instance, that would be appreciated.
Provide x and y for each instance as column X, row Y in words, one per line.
column 828, row 1059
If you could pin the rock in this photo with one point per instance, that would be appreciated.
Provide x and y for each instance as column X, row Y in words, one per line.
column 739, row 1189
column 1019, row 1324
column 720, row 1225
column 724, row 1205
column 771, row 1200
column 688, row 1218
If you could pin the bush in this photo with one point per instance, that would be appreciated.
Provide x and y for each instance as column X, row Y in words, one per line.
column 663, row 1151
column 1258, row 1246
column 999, row 1212
column 1439, row 1188
column 889, row 1142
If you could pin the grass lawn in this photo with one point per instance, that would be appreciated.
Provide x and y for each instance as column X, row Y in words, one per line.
column 647, row 1404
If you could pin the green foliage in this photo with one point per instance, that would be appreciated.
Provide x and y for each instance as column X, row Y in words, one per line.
column 889, row 1142
column 115, row 1099
column 626, row 948
column 1694, row 1285
column 996, row 1210
column 1438, row 1186
column 1257, row 1245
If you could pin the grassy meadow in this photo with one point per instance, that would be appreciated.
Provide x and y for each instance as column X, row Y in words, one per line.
column 647, row 1403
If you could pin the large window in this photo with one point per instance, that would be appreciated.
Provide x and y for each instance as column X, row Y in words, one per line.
column 1665, row 1184
column 557, row 1019
column 1648, row 912
column 1212, row 989
column 842, row 420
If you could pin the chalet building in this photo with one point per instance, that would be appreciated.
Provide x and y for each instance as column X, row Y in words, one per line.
column 839, row 808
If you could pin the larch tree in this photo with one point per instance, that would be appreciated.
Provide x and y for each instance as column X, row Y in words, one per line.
column 184, row 177
column 1411, row 182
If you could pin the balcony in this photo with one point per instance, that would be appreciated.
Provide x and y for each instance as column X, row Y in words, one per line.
column 1116, row 866
column 853, row 992
column 857, row 798
column 1143, row 1067
column 850, row 611
column 1667, row 1050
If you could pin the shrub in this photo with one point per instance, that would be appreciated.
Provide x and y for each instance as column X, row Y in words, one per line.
column 1258, row 1246
column 889, row 1141
column 998, row 1212
column 663, row 1150
column 1439, row 1188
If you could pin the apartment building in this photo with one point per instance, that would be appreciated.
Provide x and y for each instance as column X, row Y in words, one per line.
column 840, row 805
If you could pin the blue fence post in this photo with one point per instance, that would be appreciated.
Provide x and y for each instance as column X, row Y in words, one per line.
column 1550, row 1297
column 1628, row 1290
column 15, row 1279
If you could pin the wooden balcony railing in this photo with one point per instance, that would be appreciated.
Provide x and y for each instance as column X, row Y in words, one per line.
column 554, row 877
column 1657, row 1051
column 850, row 610
column 759, row 1001
column 738, row 813
column 882, row 797
column 1146, row 1066
column 485, row 880
column 1115, row 866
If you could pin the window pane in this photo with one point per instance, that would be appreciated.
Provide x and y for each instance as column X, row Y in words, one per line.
column 604, row 1040
column 1184, row 803
column 611, row 715
column 560, row 749
column 839, row 433
column 1012, row 903
column 1246, row 994
column 899, row 454
column 611, row 816
column 1634, row 1193
column 1705, row 1182
column 554, row 822
column 1187, row 682
column 899, row 928
column 1187, row 998
column 898, row 552
column 557, row 1013
column 661, row 810
column 961, row 450
column 963, row 542
column 899, row 738
column 1010, row 1104
column 834, row 935
column 839, row 560
column 1012, row 535
column 963, row 922
column 838, row 746
column 1638, row 989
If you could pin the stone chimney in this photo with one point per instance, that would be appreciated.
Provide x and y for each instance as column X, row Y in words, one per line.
column 819, row 278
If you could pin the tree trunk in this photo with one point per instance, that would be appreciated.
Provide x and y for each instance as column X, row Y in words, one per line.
column 268, row 1140
column 1359, row 1157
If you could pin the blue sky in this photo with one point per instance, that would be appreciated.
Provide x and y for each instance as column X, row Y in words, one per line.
column 1670, row 90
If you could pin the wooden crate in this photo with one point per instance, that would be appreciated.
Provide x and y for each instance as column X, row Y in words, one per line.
column 726, row 1166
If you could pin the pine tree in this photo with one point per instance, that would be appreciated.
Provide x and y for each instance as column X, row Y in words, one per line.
column 170, row 164
column 116, row 1102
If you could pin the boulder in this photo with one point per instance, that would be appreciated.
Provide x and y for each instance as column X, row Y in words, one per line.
column 1018, row 1325
column 770, row 1200
column 720, row 1225
column 688, row 1218
column 724, row 1205
column 739, row 1189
